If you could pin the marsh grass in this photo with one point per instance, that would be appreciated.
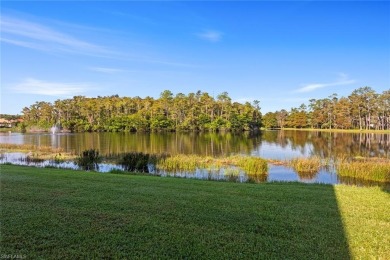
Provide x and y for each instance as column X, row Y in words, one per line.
column 277, row 162
column 189, row 163
column 232, row 174
column 180, row 162
column 30, row 147
column 59, row 158
column 306, row 166
column 251, row 165
column 136, row 162
column 89, row 159
column 143, row 162
column 40, row 152
column 365, row 169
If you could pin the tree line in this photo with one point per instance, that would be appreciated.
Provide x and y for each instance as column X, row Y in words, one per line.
column 193, row 112
column 362, row 109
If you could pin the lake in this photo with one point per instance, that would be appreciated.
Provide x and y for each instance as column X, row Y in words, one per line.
column 279, row 145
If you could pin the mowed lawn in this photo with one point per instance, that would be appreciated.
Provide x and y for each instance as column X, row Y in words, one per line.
column 64, row 214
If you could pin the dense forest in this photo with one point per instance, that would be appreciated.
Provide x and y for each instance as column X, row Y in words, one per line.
column 10, row 117
column 193, row 112
column 362, row 109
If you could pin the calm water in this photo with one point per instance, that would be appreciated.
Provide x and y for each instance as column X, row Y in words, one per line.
column 279, row 145
column 266, row 144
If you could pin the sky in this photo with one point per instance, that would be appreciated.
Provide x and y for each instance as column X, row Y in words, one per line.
column 280, row 53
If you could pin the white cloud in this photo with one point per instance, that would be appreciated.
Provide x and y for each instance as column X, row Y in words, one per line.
column 106, row 70
column 22, row 44
column 211, row 36
column 37, row 36
column 343, row 80
column 40, row 87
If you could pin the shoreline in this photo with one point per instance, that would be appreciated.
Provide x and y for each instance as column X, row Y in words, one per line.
column 351, row 131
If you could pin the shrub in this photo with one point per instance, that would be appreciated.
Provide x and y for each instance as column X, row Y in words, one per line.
column 135, row 162
column 33, row 159
column 89, row 160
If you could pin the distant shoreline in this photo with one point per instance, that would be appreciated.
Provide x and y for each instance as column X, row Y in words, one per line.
column 352, row 131
column 336, row 130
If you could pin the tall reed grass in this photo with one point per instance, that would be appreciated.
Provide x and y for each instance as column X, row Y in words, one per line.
column 251, row 165
column 31, row 147
column 375, row 170
column 306, row 166
column 39, row 152
column 181, row 162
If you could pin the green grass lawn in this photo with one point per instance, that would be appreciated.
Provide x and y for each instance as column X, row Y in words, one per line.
column 55, row 214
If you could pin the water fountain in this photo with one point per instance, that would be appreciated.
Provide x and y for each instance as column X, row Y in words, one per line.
column 54, row 129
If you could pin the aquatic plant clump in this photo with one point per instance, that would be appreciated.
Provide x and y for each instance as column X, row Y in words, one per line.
column 30, row 147
column 306, row 165
column 181, row 162
column 39, row 152
column 251, row 165
column 89, row 159
column 366, row 170
column 137, row 162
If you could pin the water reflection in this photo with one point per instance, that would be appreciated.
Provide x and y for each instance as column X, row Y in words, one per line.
column 307, row 175
column 361, row 182
column 267, row 144
column 328, row 144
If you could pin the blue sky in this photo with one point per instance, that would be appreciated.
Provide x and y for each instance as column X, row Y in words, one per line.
column 281, row 53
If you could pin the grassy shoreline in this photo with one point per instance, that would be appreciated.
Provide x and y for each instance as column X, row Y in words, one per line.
column 370, row 169
column 52, row 213
column 374, row 170
column 262, row 129
column 363, row 131
column 38, row 152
